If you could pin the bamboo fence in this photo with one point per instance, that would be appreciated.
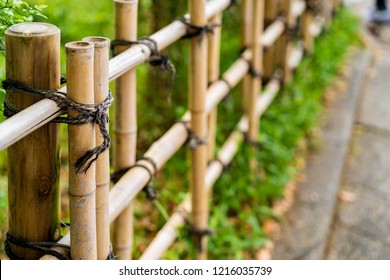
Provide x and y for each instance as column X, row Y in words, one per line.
column 267, row 26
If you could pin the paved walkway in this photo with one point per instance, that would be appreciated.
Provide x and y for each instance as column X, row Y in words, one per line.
column 342, row 210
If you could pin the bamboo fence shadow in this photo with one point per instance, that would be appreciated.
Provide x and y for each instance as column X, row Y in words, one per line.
column 275, row 36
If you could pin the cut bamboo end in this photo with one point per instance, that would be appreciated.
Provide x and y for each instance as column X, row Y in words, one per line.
column 98, row 42
column 32, row 29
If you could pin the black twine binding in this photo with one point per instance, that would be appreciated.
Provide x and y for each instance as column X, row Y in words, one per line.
column 232, row 3
column 97, row 114
column 37, row 246
column 193, row 140
column 150, row 191
column 225, row 166
column 155, row 59
column 197, row 30
column 198, row 233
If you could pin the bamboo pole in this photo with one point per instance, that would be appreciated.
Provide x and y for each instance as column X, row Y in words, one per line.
column 256, row 63
column 214, row 44
column 101, row 88
column 46, row 110
column 285, row 42
column 270, row 15
column 33, row 58
column 307, row 37
column 197, row 92
column 246, row 33
column 125, row 126
column 82, row 186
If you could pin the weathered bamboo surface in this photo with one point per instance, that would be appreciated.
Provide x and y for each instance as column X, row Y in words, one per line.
column 101, row 91
column 46, row 110
column 33, row 58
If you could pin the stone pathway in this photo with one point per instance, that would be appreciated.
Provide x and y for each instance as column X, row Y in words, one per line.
column 342, row 210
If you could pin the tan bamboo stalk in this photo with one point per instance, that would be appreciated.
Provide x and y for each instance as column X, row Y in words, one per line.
column 336, row 6
column 125, row 122
column 214, row 45
column 33, row 58
column 307, row 37
column 101, row 56
column 270, row 23
column 246, row 33
column 285, row 42
column 197, row 92
column 256, row 63
column 82, row 186
column 167, row 235
column 44, row 111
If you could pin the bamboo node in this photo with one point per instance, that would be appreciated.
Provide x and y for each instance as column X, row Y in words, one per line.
column 97, row 113
column 37, row 246
column 155, row 59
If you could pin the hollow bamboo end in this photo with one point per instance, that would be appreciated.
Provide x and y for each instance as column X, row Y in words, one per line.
column 99, row 42
column 79, row 47
column 32, row 29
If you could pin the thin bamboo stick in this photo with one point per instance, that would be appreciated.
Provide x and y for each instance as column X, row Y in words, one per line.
column 197, row 93
column 274, row 29
column 33, row 58
column 256, row 63
column 246, row 33
column 285, row 42
column 307, row 37
column 167, row 235
column 101, row 56
column 44, row 111
column 125, row 125
column 214, row 45
column 82, row 186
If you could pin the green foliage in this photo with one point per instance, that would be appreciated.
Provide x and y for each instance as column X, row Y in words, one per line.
column 15, row 11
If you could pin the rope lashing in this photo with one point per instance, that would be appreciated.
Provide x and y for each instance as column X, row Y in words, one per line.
column 225, row 167
column 193, row 141
column 97, row 114
column 156, row 58
column 197, row 30
column 198, row 233
column 37, row 246
column 150, row 191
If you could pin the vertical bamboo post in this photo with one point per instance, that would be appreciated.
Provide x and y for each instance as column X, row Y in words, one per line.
column 308, row 39
column 197, row 90
column 125, row 122
column 214, row 44
column 246, row 33
column 270, row 14
column 256, row 64
column 33, row 58
column 82, row 186
column 285, row 42
column 101, row 88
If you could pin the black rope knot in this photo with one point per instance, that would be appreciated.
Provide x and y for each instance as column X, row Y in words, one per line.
column 37, row 246
column 193, row 141
column 196, row 30
column 97, row 114
column 156, row 59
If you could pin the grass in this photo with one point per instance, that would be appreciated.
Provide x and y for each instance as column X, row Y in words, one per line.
column 241, row 201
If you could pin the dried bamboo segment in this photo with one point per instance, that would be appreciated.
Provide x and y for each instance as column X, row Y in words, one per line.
column 256, row 68
column 82, row 186
column 44, row 111
column 273, row 30
column 307, row 36
column 214, row 45
column 125, row 122
column 101, row 88
column 297, row 8
column 197, row 92
column 296, row 56
column 246, row 33
column 33, row 58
